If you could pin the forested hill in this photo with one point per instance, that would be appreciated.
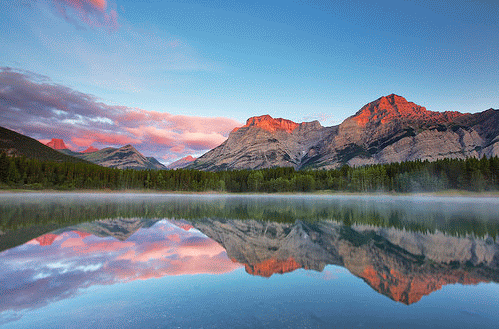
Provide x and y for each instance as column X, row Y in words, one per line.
column 414, row 176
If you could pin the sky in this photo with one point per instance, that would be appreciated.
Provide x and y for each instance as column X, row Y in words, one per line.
column 173, row 78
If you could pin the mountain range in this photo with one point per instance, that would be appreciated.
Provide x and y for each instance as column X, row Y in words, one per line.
column 126, row 157
column 390, row 129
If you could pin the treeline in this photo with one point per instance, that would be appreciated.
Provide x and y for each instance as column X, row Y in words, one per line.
column 415, row 176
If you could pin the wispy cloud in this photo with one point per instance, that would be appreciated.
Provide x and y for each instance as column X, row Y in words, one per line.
column 33, row 105
column 93, row 13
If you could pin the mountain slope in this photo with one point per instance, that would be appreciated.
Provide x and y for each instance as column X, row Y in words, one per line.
column 264, row 142
column 390, row 129
column 126, row 157
column 15, row 144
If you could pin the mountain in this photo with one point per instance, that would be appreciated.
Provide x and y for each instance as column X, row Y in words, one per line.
column 402, row 265
column 90, row 149
column 181, row 163
column 57, row 144
column 126, row 157
column 15, row 144
column 264, row 142
column 119, row 228
column 390, row 129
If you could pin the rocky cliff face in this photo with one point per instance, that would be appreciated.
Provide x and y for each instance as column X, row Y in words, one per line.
column 404, row 266
column 390, row 129
column 57, row 144
column 90, row 149
column 264, row 142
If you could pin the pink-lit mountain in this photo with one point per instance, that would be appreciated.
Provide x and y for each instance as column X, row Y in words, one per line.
column 57, row 144
column 90, row 149
column 181, row 163
column 390, row 129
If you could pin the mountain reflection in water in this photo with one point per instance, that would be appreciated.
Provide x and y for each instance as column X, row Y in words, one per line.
column 398, row 262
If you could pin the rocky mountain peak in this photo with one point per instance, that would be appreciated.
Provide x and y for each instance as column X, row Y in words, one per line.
column 90, row 149
column 128, row 147
column 268, row 123
column 181, row 163
column 393, row 107
column 389, row 129
column 389, row 108
column 57, row 144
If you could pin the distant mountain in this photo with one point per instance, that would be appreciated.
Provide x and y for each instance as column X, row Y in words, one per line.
column 181, row 163
column 15, row 144
column 390, row 129
column 90, row 149
column 57, row 144
column 126, row 157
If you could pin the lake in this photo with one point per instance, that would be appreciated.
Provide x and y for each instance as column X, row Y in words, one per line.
column 259, row 261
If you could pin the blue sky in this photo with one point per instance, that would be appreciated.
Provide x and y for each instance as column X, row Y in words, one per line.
column 301, row 60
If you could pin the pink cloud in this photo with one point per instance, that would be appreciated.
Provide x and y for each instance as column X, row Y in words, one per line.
column 93, row 13
column 84, row 142
column 177, row 149
column 32, row 105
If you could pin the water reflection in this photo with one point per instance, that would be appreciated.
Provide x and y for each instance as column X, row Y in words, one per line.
column 57, row 265
column 403, row 250
column 402, row 265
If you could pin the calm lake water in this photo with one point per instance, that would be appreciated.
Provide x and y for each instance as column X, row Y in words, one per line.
column 191, row 261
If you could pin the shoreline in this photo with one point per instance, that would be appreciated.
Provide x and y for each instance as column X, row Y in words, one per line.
column 447, row 193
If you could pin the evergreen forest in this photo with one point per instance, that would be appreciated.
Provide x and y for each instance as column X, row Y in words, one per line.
column 470, row 174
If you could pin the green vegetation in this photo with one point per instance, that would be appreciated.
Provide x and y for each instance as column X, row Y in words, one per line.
column 472, row 174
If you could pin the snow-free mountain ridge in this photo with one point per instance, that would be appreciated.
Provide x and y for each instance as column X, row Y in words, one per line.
column 390, row 129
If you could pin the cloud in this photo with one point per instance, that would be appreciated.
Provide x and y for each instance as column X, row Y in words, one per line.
column 93, row 13
column 33, row 105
